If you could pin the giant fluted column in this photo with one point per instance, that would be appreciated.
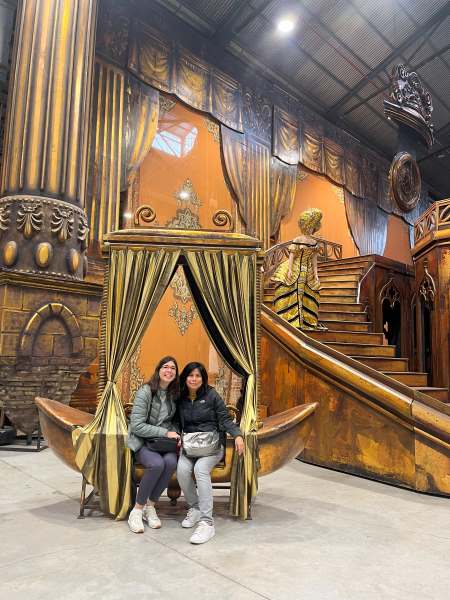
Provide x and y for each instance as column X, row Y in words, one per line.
column 43, row 227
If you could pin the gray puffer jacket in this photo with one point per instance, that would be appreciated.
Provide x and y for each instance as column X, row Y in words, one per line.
column 144, row 413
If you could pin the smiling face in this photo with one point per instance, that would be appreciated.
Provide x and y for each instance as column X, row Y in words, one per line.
column 194, row 380
column 167, row 373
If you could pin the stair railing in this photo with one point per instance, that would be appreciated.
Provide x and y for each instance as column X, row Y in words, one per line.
column 358, row 295
column 276, row 254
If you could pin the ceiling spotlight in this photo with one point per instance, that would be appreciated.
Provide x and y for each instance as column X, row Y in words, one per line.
column 285, row 25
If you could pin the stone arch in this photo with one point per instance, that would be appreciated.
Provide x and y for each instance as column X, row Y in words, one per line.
column 47, row 311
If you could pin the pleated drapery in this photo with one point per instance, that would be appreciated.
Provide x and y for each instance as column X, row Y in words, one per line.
column 283, row 183
column 368, row 224
column 137, row 280
column 142, row 124
column 223, row 285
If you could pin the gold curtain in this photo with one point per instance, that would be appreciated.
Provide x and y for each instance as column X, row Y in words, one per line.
column 283, row 183
column 136, row 283
column 142, row 124
column 227, row 285
column 234, row 150
column 368, row 224
column 285, row 142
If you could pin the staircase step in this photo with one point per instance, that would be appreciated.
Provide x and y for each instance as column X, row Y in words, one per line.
column 408, row 377
column 346, row 325
column 339, row 295
column 338, row 285
column 338, row 277
column 340, row 270
column 341, row 306
column 366, row 350
column 346, row 336
column 383, row 364
column 438, row 393
column 351, row 261
column 360, row 317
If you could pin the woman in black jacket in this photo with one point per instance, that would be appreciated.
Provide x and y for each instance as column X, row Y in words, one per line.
column 201, row 409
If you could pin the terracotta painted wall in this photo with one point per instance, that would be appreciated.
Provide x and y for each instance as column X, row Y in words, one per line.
column 316, row 191
column 397, row 241
column 176, row 328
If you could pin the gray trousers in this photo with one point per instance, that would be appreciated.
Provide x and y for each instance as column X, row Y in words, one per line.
column 157, row 474
column 200, row 496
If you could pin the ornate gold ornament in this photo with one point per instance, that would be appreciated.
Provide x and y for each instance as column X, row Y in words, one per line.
column 427, row 288
column 183, row 316
column 144, row 213
column 43, row 254
column 83, row 231
column 185, row 219
column 62, row 223
column 10, row 253
column 301, row 174
column 73, row 260
column 405, row 181
column 187, row 196
column 4, row 217
column 222, row 218
column 136, row 377
column 214, row 129
column 29, row 218
column 180, row 287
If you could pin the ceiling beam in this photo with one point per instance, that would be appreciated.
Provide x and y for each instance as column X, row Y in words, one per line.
column 437, row 17
column 227, row 30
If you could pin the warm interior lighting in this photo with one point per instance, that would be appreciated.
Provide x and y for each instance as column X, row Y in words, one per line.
column 285, row 25
column 184, row 195
column 127, row 215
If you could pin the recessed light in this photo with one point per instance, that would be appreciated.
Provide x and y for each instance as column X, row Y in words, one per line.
column 285, row 25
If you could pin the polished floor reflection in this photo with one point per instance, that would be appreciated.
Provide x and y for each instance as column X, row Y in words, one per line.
column 316, row 534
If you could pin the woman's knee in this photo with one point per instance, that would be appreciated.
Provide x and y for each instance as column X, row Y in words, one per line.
column 154, row 462
column 170, row 461
column 202, row 471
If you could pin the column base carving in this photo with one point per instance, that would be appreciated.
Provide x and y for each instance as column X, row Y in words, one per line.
column 40, row 235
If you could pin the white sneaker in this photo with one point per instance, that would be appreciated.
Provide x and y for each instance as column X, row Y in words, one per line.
column 203, row 533
column 192, row 518
column 149, row 515
column 135, row 521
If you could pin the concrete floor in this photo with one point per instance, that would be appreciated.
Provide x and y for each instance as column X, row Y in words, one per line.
column 316, row 534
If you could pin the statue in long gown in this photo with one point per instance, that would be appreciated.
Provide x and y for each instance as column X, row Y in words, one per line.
column 297, row 294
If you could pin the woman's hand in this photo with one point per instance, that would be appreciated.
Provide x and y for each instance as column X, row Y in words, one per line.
column 173, row 435
column 239, row 445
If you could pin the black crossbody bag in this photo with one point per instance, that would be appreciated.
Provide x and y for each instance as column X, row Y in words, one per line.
column 162, row 445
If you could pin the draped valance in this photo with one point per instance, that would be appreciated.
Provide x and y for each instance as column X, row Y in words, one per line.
column 168, row 67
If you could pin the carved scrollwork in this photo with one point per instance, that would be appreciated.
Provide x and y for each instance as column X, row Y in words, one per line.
column 144, row 213
column 407, row 90
column 29, row 218
column 62, row 223
column 405, row 181
column 183, row 316
column 4, row 217
column 222, row 218
column 427, row 287
column 390, row 292
column 83, row 231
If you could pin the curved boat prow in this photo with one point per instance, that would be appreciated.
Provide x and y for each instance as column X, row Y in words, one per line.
column 281, row 438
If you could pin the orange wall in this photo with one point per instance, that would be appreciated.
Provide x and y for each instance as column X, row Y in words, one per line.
column 317, row 191
column 397, row 240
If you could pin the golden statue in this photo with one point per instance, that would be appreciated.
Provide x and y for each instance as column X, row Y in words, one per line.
column 297, row 295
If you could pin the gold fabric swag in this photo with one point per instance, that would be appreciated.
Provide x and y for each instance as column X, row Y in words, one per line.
column 223, row 284
column 136, row 283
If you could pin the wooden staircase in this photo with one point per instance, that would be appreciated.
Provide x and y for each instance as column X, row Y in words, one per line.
column 349, row 331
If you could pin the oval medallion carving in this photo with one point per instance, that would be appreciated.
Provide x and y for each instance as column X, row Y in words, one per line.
column 43, row 254
column 73, row 260
column 405, row 181
column 10, row 253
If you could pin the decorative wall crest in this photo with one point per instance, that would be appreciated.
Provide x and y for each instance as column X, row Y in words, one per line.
column 165, row 104
column 405, row 181
column 29, row 218
column 187, row 196
column 62, row 223
column 183, row 316
column 408, row 90
column 180, row 287
column 188, row 204
column 185, row 219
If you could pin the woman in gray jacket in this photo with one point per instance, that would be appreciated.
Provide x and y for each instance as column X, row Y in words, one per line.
column 152, row 417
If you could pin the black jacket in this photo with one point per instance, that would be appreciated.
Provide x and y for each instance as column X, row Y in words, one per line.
column 207, row 413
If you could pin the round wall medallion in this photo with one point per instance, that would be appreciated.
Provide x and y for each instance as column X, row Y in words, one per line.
column 43, row 254
column 10, row 253
column 405, row 181
column 73, row 260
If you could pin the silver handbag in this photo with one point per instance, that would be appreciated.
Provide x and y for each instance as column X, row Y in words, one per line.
column 201, row 443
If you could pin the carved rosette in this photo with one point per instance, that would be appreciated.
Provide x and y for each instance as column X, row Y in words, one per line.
column 42, row 236
column 405, row 181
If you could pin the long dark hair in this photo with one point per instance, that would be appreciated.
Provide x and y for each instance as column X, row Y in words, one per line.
column 185, row 374
column 173, row 389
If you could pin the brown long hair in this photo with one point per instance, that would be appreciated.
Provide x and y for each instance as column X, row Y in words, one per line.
column 173, row 389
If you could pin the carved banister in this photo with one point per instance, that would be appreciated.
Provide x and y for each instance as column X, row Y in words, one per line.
column 276, row 254
column 436, row 218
